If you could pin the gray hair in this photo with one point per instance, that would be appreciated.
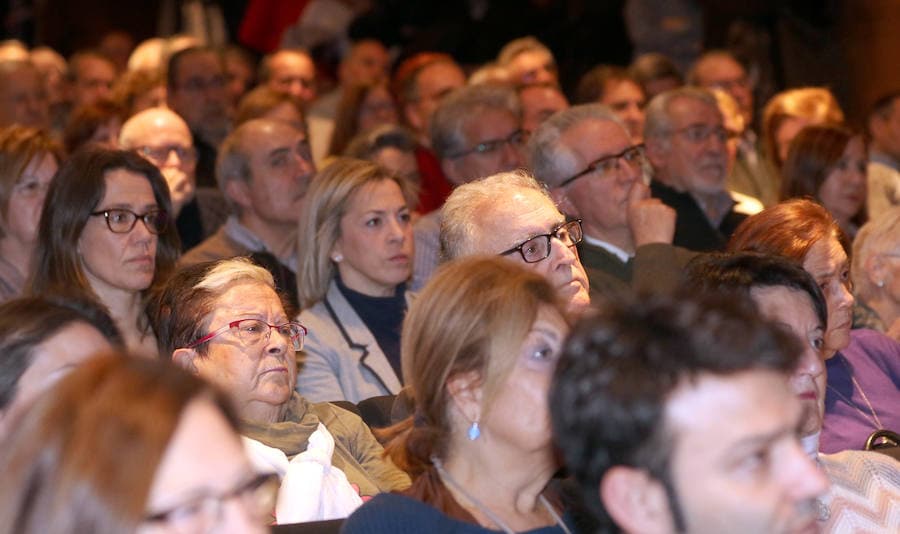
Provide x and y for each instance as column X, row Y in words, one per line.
column 233, row 161
column 464, row 208
column 463, row 105
column 658, row 123
column 879, row 236
column 548, row 157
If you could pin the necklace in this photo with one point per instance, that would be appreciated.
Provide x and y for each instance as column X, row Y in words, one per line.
column 874, row 416
column 445, row 476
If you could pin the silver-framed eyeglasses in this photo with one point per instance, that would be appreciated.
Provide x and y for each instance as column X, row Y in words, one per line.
column 537, row 248
column 122, row 221
column 257, row 495
column 699, row 133
column 514, row 139
column 633, row 157
column 251, row 332
column 160, row 154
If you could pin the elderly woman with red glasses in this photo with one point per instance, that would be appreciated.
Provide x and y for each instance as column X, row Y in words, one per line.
column 224, row 322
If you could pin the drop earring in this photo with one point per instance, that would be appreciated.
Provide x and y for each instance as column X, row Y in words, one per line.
column 337, row 258
column 474, row 431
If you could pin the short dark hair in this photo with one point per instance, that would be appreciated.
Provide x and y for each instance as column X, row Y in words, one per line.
column 743, row 272
column 27, row 322
column 592, row 85
column 620, row 366
column 76, row 191
column 176, row 58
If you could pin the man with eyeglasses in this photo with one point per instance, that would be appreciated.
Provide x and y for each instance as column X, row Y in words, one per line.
column 719, row 69
column 264, row 170
column 163, row 138
column 686, row 145
column 196, row 90
column 509, row 214
column 595, row 172
column 475, row 132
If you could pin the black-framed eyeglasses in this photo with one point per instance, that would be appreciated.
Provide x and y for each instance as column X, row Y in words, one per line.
column 122, row 221
column 485, row 147
column 251, row 332
column 257, row 495
column 537, row 248
column 699, row 133
column 633, row 156
column 160, row 154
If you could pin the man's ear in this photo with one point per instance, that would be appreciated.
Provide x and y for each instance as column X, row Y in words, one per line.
column 184, row 358
column 465, row 392
column 656, row 151
column 413, row 116
column 636, row 501
column 563, row 203
column 238, row 191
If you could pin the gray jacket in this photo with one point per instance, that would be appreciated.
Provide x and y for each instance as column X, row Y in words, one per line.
column 341, row 359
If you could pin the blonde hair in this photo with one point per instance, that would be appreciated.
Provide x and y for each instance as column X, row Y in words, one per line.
column 472, row 316
column 815, row 104
column 878, row 236
column 320, row 224
column 466, row 204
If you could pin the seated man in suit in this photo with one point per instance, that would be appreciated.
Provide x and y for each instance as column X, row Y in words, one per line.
column 675, row 415
column 596, row 173
column 686, row 145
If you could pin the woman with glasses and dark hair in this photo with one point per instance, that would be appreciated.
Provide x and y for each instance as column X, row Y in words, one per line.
column 131, row 445
column 107, row 235
column 224, row 322
column 357, row 244
column 28, row 161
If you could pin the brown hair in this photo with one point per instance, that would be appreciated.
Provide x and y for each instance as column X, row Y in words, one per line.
column 346, row 123
column 85, row 458
column 134, row 83
column 471, row 317
column 787, row 229
column 85, row 120
column 76, row 191
column 19, row 146
column 256, row 103
column 815, row 104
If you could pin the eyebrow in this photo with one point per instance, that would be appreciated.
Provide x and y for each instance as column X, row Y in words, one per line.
column 536, row 233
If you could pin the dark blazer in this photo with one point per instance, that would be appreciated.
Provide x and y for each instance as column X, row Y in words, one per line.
column 693, row 230
column 654, row 268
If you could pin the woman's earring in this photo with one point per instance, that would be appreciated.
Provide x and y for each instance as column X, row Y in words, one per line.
column 337, row 258
column 880, row 283
column 474, row 431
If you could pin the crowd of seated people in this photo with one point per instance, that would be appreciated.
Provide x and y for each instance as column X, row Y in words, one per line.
column 435, row 296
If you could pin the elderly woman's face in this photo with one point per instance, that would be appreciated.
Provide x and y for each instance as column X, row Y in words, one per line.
column 26, row 200
column 829, row 266
column 519, row 415
column 260, row 375
column 120, row 261
column 374, row 252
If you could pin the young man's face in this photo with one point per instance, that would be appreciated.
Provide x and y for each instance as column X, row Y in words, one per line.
column 737, row 463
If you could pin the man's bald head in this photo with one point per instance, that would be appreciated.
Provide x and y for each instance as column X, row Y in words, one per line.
column 139, row 127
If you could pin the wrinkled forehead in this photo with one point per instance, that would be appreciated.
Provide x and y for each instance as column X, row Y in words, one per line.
column 513, row 217
column 688, row 111
column 160, row 127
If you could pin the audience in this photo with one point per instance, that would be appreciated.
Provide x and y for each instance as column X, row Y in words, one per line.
column 264, row 103
column 828, row 164
column 675, row 415
column 41, row 340
column 615, row 88
column 216, row 320
column 656, row 73
column 528, row 61
column 884, row 155
column 115, row 449
column 479, row 348
column 861, row 482
column 23, row 96
column 108, row 238
column 790, row 111
column 361, row 109
column 28, row 161
column 686, row 145
column 863, row 366
column 539, row 101
column 875, row 273
column 290, row 71
column 98, row 123
column 351, row 280
column 476, row 131
column 511, row 215
column 163, row 138
column 90, row 76
column 137, row 90
column 393, row 147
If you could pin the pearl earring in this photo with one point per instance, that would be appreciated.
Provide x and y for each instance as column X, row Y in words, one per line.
column 474, row 431
column 337, row 258
column 880, row 283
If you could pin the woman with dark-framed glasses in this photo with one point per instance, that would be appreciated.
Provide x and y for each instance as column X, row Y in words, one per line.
column 106, row 234
column 224, row 322
column 131, row 445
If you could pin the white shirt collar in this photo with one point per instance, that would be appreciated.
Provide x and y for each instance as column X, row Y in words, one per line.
column 612, row 249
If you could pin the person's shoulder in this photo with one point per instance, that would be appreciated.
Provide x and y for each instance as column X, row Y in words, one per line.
column 392, row 513
column 872, row 343
column 218, row 246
